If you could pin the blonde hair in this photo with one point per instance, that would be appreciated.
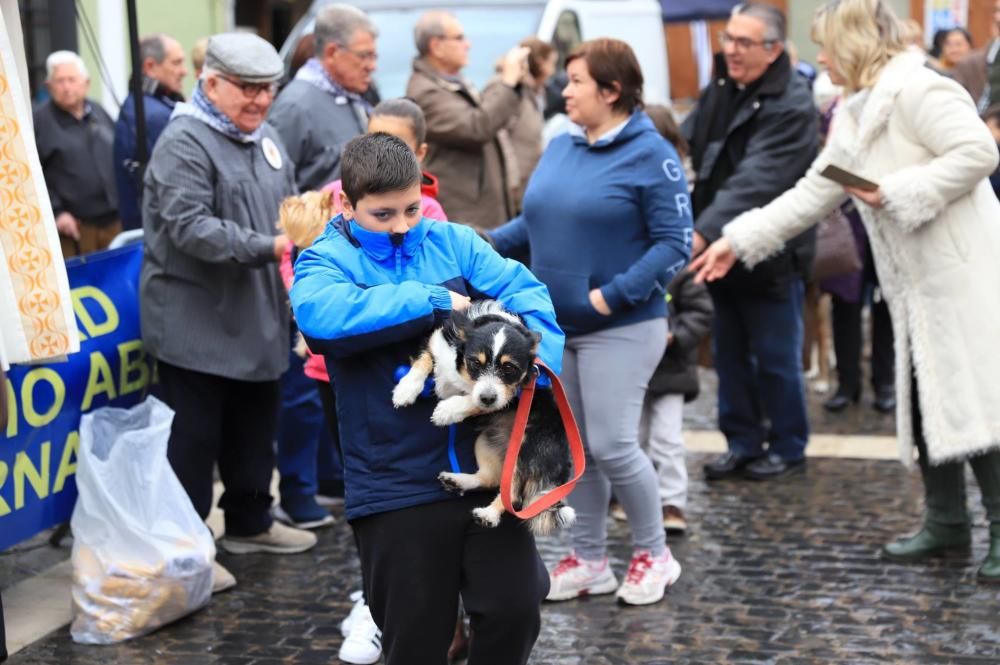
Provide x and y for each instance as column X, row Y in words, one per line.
column 302, row 218
column 912, row 33
column 859, row 37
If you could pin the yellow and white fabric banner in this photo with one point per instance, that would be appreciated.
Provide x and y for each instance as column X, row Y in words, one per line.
column 36, row 314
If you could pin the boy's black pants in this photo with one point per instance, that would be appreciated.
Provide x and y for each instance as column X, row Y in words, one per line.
column 229, row 422
column 415, row 563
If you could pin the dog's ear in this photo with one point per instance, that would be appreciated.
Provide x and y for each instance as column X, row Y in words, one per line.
column 536, row 339
column 456, row 330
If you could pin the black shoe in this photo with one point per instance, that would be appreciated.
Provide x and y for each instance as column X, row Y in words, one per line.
column 885, row 399
column 773, row 466
column 840, row 401
column 729, row 465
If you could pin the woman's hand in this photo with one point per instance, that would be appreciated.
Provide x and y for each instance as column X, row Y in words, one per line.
column 598, row 302
column 714, row 262
column 872, row 198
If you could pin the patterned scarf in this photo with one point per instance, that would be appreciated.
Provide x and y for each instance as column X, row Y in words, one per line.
column 313, row 73
column 203, row 109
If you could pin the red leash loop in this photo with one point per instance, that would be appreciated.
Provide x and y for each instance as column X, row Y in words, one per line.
column 517, row 438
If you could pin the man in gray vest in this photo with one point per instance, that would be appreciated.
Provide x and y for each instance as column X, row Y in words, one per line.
column 322, row 108
column 214, row 310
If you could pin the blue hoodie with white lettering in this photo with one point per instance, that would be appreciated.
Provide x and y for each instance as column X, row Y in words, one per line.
column 613, row 215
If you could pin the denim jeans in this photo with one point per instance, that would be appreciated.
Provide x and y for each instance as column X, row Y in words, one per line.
column 757, row 344
column 306, row 453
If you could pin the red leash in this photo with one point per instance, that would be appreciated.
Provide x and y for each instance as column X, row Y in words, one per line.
column 517, row 438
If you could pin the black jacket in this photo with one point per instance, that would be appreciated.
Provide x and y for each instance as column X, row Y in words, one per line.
column 690, row 319
column 768, row 144
column 77, row 161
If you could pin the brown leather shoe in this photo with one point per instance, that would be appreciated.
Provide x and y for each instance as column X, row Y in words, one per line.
column 673, row 520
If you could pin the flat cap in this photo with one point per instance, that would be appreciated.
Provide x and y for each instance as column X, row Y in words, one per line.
column 245, row 56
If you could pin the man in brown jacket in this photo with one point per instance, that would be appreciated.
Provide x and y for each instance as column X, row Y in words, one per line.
column 979, row 72
column 469, row 149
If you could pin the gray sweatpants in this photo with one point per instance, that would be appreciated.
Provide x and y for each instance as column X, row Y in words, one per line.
column 605, row 375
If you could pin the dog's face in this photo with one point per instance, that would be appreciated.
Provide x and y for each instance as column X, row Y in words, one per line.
column 495, row 357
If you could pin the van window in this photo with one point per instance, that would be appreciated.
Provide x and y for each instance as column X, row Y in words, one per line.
column 567, row 36
column 492, row 31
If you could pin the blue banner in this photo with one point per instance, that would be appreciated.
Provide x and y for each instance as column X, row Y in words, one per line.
column 38, row 449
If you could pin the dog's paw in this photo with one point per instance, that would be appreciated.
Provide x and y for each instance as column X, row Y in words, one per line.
column 487, row 516
column 407, row 390
column 450, row 482
column 450, row 411
column 565, row 516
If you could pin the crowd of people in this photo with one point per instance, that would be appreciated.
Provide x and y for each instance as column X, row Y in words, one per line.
column 320, row 194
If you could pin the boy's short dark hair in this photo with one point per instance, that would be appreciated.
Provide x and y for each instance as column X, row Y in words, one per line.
column 407, row 109
column 375, row 164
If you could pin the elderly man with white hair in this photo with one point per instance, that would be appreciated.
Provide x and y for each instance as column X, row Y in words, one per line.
column 74, row 137
column 213, row 307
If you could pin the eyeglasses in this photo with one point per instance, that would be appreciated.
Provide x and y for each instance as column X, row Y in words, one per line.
column 364, row 56
column 252, row 90
column 460, row 37
column 742, row 43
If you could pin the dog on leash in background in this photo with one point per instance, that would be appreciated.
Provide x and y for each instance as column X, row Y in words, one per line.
column 479, row 359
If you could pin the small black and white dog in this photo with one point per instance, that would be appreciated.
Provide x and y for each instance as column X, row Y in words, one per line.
column 479, row 359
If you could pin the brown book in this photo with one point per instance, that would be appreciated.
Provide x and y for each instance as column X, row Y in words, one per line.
column 848, row 179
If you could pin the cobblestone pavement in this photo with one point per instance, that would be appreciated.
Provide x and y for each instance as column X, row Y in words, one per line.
column 773, row 573
column 34, row 556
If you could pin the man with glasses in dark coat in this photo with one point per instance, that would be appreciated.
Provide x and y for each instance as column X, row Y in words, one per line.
column 752, row 136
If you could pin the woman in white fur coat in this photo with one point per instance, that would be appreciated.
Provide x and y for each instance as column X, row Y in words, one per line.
column 934, row 225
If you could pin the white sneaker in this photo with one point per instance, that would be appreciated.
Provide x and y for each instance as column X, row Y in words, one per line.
column 358, row 598
column 648, row 578
column 363, row 644
column 574, row 577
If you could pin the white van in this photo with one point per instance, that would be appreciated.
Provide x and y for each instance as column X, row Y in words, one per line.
column 495, row 26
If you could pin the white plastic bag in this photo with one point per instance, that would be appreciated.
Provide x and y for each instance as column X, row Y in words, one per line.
column 141, row 555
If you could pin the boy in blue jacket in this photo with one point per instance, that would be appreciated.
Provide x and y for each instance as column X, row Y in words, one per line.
column 366, row 294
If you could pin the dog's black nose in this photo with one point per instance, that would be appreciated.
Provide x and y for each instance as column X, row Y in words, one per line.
column 488, row 399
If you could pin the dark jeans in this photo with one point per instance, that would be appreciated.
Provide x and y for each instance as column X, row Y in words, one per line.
column 847, row 340
column 229, row 422
column 328, row 399
column 416, row 561
column 757, row 344
column 307, row 457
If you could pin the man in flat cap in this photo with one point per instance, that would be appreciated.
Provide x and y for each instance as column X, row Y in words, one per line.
column 214, row 310
column 323, row 108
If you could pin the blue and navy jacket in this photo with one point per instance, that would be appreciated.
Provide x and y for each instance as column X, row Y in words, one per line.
column 157, row 108
column 367, row 304
column 613, row 215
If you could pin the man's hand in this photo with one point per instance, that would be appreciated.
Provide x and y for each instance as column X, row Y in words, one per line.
column 514, row 65
column 68, row 225
column 872, row 199
column 698, row 244
column 280, row 246
column 714, row 263
column 459, row 303
column 598, row 302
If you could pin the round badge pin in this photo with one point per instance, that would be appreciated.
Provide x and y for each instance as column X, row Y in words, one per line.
column 271, row 153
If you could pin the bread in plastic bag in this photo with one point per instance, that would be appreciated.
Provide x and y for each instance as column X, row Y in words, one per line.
column 142, row 557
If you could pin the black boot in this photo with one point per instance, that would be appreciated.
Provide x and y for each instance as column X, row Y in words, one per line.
column 885, row 399
column 987, row 470
column 841, row 400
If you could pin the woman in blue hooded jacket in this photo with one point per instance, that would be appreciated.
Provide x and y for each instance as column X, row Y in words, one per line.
column 607, row 220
